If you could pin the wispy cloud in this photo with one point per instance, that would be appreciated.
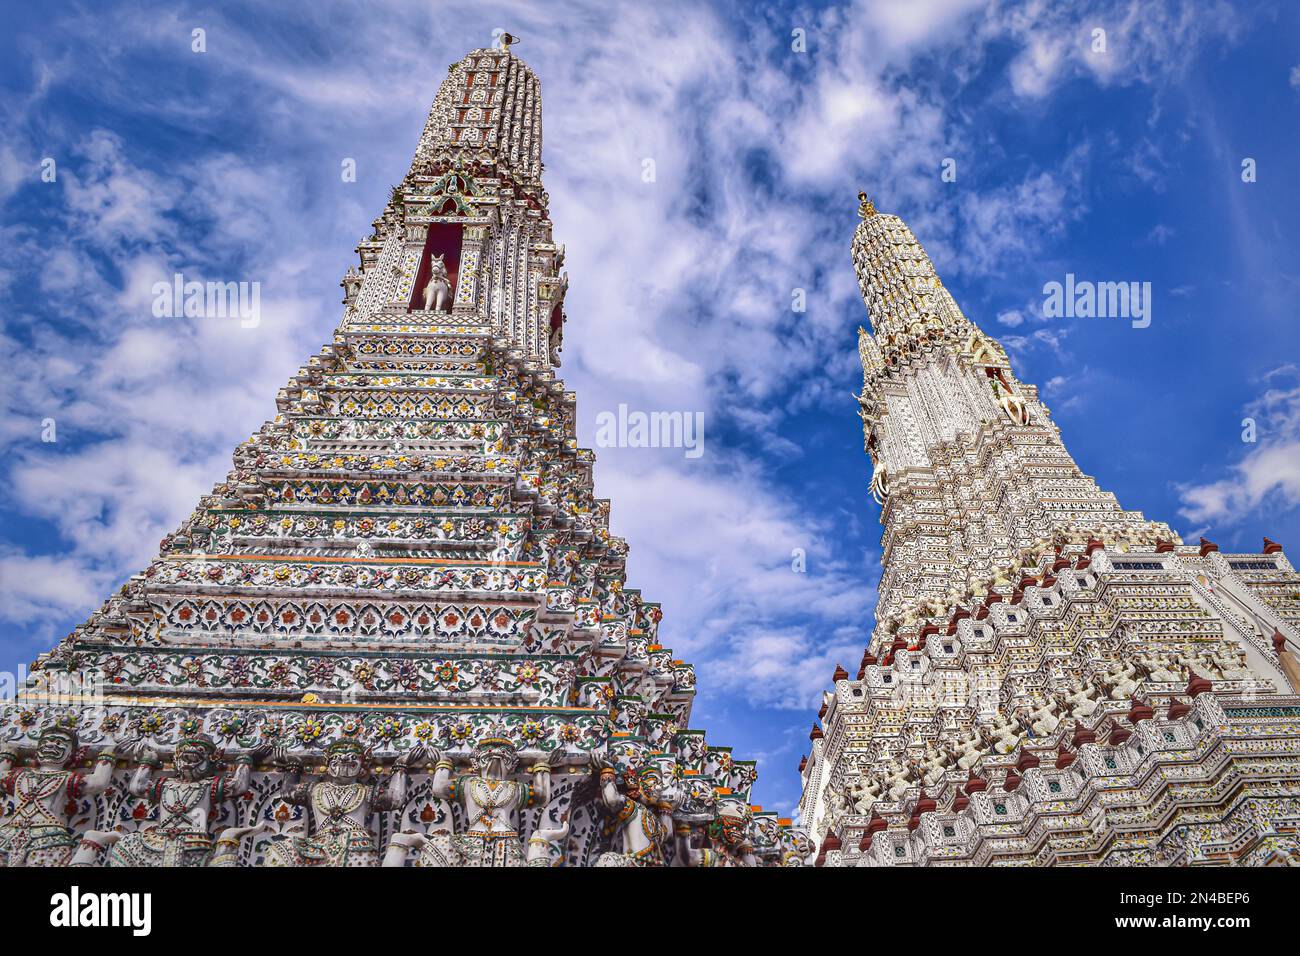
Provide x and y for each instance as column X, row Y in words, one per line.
column 1267, row 474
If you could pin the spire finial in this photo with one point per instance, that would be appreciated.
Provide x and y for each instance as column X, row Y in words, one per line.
column 866, row 208
column 505, row 40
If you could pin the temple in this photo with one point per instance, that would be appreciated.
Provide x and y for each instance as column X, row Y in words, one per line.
column 399, row 632
column 1052, row 680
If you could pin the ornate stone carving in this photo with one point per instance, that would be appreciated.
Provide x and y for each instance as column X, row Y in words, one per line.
column 437, row 290
column 339, row 808
column 185, row 802
column 38, row 830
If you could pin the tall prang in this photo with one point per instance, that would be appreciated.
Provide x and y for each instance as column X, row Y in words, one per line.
column 1051, row 679
column 399, row 630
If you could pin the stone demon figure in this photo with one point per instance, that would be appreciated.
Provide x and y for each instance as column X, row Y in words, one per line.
column 340, row 807
column 490, row 799
column 39, row 832
column 187, row 802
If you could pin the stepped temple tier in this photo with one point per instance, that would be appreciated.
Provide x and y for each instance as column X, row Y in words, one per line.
column 1052, row 679
column 398, row 633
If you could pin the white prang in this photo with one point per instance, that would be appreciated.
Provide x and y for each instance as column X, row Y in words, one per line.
column 1042, row 659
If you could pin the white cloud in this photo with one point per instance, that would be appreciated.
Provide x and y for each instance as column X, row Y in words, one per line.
column 904, row 24
column 14, row 171
column 733, row 600
column 1146, row 42
column 1160, row 234
column 1269, row 472
column 1034, row 72
column 40, row 589
column 1012, row 221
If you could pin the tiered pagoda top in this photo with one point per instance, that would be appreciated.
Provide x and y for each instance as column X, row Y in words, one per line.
column 939, row 397
column 473, row 200
column 490, row 108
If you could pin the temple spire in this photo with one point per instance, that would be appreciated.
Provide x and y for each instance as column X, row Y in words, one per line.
column 933, row 382
column 467, row 236
column 408, row 566
column 1023, row 614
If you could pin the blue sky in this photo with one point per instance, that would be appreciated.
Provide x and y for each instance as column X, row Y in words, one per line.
column 1122, row 165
